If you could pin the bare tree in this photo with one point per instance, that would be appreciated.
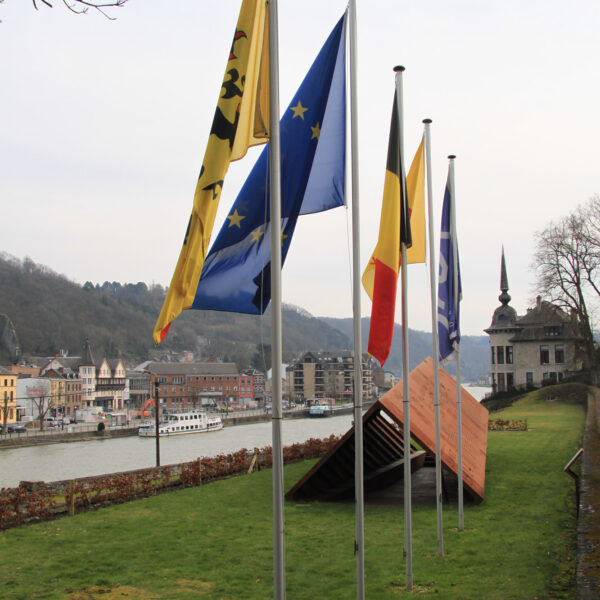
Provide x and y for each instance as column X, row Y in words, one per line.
column 567, row 263
column 43, row 404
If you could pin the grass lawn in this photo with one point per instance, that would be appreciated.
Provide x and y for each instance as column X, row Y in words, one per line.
column 215, row 542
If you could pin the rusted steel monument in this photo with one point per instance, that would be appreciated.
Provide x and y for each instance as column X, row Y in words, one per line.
column 332, row 478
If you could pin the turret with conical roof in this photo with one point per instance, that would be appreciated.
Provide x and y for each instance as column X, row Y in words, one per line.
column 504, row 316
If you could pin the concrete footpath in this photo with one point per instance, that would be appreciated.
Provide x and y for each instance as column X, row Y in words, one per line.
column 588, row 530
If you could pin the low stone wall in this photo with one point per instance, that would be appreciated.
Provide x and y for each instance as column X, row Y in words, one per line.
column 17, row 440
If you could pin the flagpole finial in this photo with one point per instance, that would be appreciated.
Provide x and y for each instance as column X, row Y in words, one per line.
column 452, row 156
column 427, row 121
column 399, row 68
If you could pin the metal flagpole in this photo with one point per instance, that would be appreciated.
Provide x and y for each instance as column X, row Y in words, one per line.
column 435, row 343
column 461, row 517
column 405, row 368
column 276, row 337
column 359, row 546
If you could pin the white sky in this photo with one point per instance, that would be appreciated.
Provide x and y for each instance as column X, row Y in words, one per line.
column 104, row 126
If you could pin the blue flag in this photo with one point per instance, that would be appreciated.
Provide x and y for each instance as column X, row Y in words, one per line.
column 448, row 319
column 236, row 273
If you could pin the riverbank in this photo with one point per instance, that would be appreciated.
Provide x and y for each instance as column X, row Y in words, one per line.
column 18, row 440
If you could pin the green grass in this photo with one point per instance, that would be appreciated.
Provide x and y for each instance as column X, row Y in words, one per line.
column 215, row 541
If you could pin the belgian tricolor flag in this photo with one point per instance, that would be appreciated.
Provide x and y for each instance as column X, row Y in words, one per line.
column 380, row 278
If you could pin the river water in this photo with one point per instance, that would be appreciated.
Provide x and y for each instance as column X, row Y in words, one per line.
column 54, row 462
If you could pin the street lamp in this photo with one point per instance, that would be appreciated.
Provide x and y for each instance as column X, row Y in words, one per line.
column 156, row 421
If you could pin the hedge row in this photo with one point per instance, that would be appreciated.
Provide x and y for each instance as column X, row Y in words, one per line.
column 41, row 501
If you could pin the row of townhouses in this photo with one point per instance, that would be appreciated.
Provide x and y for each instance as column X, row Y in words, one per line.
column 64, row 385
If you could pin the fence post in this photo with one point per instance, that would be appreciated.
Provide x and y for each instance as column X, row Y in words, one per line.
column 72, row 499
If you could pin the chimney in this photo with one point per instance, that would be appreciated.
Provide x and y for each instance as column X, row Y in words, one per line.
column 538, row 302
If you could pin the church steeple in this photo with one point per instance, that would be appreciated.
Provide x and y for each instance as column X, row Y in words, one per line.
column 504, row 297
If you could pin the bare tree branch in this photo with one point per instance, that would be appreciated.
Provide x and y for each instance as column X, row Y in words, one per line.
column 80, row 7
column 567, row 263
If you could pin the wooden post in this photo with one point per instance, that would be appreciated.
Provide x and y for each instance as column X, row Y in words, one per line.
column 72, row 502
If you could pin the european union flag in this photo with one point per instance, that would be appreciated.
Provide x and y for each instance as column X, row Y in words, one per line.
column 448, row 320
column 236, row 272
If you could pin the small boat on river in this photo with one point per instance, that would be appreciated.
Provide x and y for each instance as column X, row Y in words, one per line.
column 195, row 421
column 320, row 410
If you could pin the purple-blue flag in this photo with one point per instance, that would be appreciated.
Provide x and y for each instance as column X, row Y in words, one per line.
column 448, row 319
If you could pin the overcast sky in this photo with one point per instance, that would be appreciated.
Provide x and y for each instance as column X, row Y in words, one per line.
column 105, row 123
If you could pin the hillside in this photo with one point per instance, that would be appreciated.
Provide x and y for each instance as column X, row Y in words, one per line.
column 474, row 349
column 49, row 313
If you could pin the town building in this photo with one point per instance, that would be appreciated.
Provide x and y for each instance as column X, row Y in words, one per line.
column 188, row 385
column 139, row 387
column 100, row 386
column 8, row 396
column 327, row 375
column 247, row 389
column 540, row 347
column 35, row 397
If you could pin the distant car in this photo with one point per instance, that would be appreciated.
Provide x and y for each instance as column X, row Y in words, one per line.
column 16, row 429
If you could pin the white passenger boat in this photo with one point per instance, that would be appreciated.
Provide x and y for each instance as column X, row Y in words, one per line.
column 320, row 410
column 195, row 421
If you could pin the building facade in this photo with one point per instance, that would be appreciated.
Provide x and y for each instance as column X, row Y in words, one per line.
column 101, row 385
column 189, row 385
column 534, row 349
column 8, row 397
column 139, row 387
column 327, row 375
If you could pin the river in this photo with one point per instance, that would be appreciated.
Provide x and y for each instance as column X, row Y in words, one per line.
column 54, row 462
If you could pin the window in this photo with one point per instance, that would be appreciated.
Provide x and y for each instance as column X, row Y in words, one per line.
column 501, row 385
column 529, row 378
column 544, row 355
column 493, row 349
column 559, row 354
column 510, row 380
column 500, row 355
column 552, row 331
column 509, row 355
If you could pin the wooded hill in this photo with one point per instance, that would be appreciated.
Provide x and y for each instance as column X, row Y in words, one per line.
column 51, row 313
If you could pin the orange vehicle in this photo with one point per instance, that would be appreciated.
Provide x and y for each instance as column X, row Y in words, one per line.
column 144, row 409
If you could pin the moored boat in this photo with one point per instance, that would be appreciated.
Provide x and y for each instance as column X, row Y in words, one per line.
column 195, row 421
column 320, row 410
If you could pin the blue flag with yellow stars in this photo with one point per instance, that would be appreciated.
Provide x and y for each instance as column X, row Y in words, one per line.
column 236, row 273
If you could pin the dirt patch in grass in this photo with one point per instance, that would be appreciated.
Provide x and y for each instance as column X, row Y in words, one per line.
column 194, row 585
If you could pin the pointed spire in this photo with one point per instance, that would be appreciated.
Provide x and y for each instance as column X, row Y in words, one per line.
column 504, row 297
column 88, row 358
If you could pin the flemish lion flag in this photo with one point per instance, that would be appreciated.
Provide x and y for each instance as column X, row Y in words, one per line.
column 402, row 200
column 240, row 121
